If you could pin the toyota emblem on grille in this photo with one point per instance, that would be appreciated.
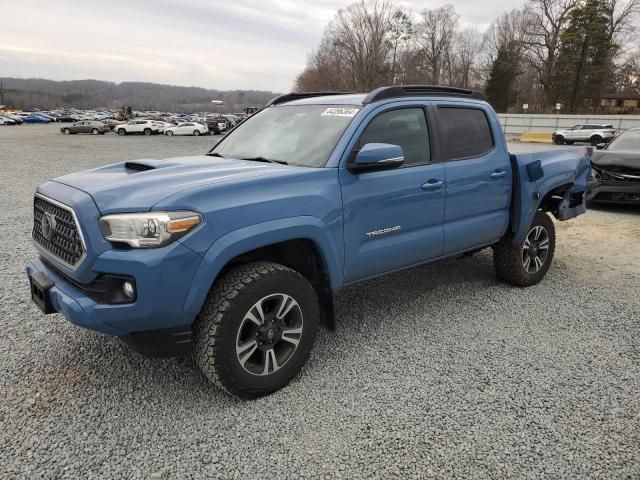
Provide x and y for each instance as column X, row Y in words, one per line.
column 48, row 224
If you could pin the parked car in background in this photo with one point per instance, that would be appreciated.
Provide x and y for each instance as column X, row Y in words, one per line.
column 216, row 125
column 51, row 118
column 13, row 117
column 33, row 119
column 162, row 125
column 616, row 170
column 143, row 127
column 111, row 123
column 187, row 128
column 238, row 254
column 7, row 121
column 66, row 118
column 86, row 126
column 590, row 133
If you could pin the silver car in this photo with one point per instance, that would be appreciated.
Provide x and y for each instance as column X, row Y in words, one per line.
column 593, row 133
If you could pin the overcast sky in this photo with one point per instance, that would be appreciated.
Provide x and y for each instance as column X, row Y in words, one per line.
column 223, row 44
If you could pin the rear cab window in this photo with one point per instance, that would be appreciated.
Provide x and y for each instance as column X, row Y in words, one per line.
column 465, row 132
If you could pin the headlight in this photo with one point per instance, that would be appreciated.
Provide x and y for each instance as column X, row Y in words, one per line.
column 148, row 229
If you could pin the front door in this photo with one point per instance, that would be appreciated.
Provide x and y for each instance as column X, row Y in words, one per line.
column 393, row 218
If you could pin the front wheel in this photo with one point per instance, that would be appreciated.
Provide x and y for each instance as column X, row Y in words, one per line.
column 256, row 329
column 527, row 263
column 67, row 131
column 170, row 133
column 95, row 131
column 147, row 131
column 122, row 132
column 595, row 140
column 559, row 140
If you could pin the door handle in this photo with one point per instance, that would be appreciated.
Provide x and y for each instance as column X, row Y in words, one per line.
column 432, row 185
column 496, row 175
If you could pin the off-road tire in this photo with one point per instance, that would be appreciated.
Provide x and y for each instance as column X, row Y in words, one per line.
column 217, row 325
column 508, row 258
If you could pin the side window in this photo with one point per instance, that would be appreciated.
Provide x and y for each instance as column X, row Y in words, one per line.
column 465, row 132
column 405, row 127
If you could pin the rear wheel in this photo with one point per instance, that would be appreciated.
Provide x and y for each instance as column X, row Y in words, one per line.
column 527, row 263
column 147, row 131
column 569, row 142
column 559, row 140
column 170, row 133
column 595, row 140
column 122, row 132
column 95, row 131
column 196, row 133
column 256, row 329
column 67, row 131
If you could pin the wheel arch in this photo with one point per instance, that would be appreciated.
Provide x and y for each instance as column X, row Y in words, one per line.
column 304, row 247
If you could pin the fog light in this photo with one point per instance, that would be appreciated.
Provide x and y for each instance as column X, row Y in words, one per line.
column 127, row 289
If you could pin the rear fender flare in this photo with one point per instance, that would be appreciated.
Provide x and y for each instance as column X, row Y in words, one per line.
column 246, row 239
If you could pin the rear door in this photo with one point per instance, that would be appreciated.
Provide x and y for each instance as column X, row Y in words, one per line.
column 478, row 174
column 393, row 218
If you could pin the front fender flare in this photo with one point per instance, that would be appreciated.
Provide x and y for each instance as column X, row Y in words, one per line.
column 260, row 235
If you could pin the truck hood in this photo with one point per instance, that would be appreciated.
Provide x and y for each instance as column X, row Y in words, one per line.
column 140, row 184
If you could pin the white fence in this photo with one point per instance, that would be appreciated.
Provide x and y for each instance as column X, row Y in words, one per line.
column 516, row 124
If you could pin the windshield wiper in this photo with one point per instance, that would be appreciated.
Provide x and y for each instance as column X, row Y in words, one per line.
column 263, row 159
column 215, row 154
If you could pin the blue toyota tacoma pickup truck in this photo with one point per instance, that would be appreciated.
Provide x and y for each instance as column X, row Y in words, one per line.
column 235, row 256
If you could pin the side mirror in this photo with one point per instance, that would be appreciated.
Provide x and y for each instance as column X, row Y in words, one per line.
column 601, row 146
column 377, row 156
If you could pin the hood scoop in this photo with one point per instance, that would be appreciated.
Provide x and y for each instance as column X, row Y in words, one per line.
column 138, row 167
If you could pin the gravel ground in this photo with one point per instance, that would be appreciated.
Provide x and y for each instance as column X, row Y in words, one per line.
column 436, row 372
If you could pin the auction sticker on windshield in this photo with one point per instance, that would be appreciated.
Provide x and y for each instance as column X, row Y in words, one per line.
column 340, row 112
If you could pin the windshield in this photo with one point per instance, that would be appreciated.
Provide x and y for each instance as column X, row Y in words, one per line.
column 628, row 141
column 302, row 135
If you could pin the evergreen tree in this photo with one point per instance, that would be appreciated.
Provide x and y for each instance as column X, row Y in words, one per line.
column 502, row 78
column 583, row 61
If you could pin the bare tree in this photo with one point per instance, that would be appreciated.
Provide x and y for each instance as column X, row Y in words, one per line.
column 435, row 35
column 468, row 44
column 357, row 45
column 547, row 20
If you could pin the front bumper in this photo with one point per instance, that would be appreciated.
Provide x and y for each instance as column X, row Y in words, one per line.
column 163, row 279
column 613, row 192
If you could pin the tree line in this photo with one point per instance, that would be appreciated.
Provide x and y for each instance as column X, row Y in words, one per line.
column 547, row 52
column 88, row 94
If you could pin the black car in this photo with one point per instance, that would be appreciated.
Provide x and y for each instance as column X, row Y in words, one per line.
column 66, row 119
column 217, row 125
column 616, row 170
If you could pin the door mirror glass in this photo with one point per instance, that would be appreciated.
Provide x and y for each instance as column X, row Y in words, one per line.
column 377, row 156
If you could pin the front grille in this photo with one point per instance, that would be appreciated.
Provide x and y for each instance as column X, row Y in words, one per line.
column 58, row 233
column 620, row 174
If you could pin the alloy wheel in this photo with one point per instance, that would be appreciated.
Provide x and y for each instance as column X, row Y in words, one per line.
column 269, row 334
column 535, row 249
